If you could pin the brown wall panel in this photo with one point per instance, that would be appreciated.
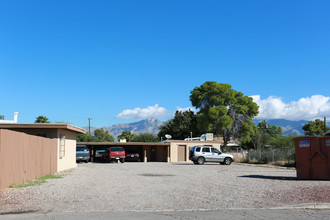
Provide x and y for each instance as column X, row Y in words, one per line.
column 25, row 157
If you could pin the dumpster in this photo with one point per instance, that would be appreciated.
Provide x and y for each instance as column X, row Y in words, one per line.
column 313, row 158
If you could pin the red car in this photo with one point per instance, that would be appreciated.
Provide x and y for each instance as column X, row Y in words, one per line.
column 114, row 154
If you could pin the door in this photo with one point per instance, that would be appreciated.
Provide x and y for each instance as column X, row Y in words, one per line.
column 217, row 156
column 153, row 154
column 182, row 153
column 206, row 153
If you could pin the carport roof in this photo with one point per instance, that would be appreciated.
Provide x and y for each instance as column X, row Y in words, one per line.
column 42, row 126
column 124, row 143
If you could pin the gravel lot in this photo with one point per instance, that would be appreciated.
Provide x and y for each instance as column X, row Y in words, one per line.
column 166, row 186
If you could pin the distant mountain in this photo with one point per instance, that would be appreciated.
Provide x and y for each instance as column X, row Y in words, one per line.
column 150, row 125
column 288, row 127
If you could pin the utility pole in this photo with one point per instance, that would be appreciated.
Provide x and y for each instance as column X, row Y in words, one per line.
column 89, row 120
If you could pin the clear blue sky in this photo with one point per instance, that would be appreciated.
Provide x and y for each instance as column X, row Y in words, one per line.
column 71, row 60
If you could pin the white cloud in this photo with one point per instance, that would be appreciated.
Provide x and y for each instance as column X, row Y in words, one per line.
column 186, row 109
column 141, row 113
column 309, row 108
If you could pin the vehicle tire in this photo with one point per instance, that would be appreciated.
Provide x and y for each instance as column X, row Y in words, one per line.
column 200, row 160
column 86, row 161
column 122, row 160
column 138, row 160
column 227, row 161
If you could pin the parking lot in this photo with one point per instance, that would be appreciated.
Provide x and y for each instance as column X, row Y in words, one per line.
column 166, row 186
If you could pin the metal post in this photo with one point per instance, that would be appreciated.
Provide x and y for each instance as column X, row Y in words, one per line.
column 89, row 120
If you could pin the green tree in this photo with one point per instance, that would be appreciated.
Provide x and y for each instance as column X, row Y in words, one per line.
column 223, row 110
column 145, row 137
column 2, row 117
column 180, row 126
column 128, row 135
column 315, row 128
column 283, row 141
column 42, row 119
column 265, row 134
column 103, row 136
column 86, row 138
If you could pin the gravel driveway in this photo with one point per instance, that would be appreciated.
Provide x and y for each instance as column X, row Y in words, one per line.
column 166, row 186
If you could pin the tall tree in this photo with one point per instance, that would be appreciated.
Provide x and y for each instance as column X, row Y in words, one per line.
column 315, row 128
column 103, row 136
column 181, row 126
column 145, row 137
column 263, row 133
column 86, row 138
column 42, row 119
column 2, row 117
column 223, row 110
column 128, row 135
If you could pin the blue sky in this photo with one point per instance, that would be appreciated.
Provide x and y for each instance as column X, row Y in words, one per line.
column 122, row 61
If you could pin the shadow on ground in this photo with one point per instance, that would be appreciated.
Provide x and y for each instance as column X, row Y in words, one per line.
column 191, row 164
column 270, row 177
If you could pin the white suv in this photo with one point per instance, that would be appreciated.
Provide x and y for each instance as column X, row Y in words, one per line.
column 201, row 154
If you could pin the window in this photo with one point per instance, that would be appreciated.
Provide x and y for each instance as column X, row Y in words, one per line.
column 214, row 150
column 327, row 142
column 198, row 149
column 116, row 149
column 62, row 146
column 206, row 149
column 304, row 143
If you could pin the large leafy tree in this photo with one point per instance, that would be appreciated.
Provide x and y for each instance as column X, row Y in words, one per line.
column 2, row 117
column 180, row 126
column 315, row 128
column 264, row 134
column 99, row 136
column 102, row 135
column 223, row 110
column 42, row 119
column 145, row 137
column 86, row 138
column 128, row 135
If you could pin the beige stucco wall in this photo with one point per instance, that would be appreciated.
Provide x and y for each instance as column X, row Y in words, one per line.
column 69, row 159
column 189, row 144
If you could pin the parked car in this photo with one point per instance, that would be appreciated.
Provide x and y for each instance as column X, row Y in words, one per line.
column 82, row 153
column 114, row 154
column 133, row 157
column 99, row 155
column 201, row 154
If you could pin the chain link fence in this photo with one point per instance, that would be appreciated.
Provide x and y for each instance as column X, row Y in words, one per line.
column 264, row 156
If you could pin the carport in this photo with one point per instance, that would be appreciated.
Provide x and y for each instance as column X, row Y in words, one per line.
column 149, row 152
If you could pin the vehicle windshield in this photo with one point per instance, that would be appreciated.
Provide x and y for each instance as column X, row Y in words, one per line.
column 116, row 149
column 82, row 149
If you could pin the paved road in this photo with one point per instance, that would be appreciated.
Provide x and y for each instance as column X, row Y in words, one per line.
column 218, row 214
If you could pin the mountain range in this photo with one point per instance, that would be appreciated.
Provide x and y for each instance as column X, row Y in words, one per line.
column 288, row 127
column 151, row 125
